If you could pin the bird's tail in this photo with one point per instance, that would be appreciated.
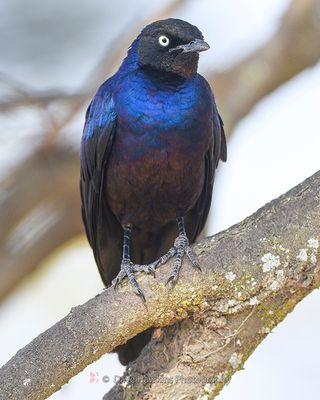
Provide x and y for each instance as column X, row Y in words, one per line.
column 130, row 351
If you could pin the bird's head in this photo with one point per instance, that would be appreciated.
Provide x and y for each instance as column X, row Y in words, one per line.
column 171, row 45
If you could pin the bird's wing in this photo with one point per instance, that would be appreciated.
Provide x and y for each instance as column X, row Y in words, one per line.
column 103, row 230
column 196, row 218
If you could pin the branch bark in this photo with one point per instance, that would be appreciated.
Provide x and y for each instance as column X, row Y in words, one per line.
column 253, row 274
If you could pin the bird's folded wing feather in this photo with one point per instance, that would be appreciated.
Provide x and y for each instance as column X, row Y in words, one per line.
column 101, row 226
column 197, row 217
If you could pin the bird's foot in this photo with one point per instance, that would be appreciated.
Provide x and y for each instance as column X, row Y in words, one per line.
column 128, row 270
column 180, row 248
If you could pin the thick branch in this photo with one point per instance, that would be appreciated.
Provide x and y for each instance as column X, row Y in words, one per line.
column 252, row 276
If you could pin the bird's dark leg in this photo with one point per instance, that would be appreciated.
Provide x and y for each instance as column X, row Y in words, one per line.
column 180, row 248
column 128, row 268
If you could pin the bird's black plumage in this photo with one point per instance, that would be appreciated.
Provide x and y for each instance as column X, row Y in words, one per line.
column 151, row 143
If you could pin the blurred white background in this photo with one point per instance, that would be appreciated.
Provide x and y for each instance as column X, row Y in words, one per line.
column 274, row 148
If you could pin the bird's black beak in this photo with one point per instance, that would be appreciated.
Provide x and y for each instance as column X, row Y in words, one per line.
column 195, row 46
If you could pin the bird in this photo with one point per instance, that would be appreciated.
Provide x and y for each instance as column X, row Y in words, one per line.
column 151, row 143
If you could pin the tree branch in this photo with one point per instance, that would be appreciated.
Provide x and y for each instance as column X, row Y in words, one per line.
column 253, row 274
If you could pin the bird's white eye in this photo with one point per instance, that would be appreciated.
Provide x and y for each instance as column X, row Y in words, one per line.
column 163, row 41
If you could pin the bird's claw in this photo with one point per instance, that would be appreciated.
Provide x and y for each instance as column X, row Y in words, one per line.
column 127, row 270
column 180, row 248
column 147, row 268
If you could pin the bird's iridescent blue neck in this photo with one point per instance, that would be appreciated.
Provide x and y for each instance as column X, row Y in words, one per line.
column 130, row 63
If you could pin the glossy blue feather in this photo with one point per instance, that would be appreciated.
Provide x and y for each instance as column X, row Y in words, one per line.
column 100, row 112
column 148, row 106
